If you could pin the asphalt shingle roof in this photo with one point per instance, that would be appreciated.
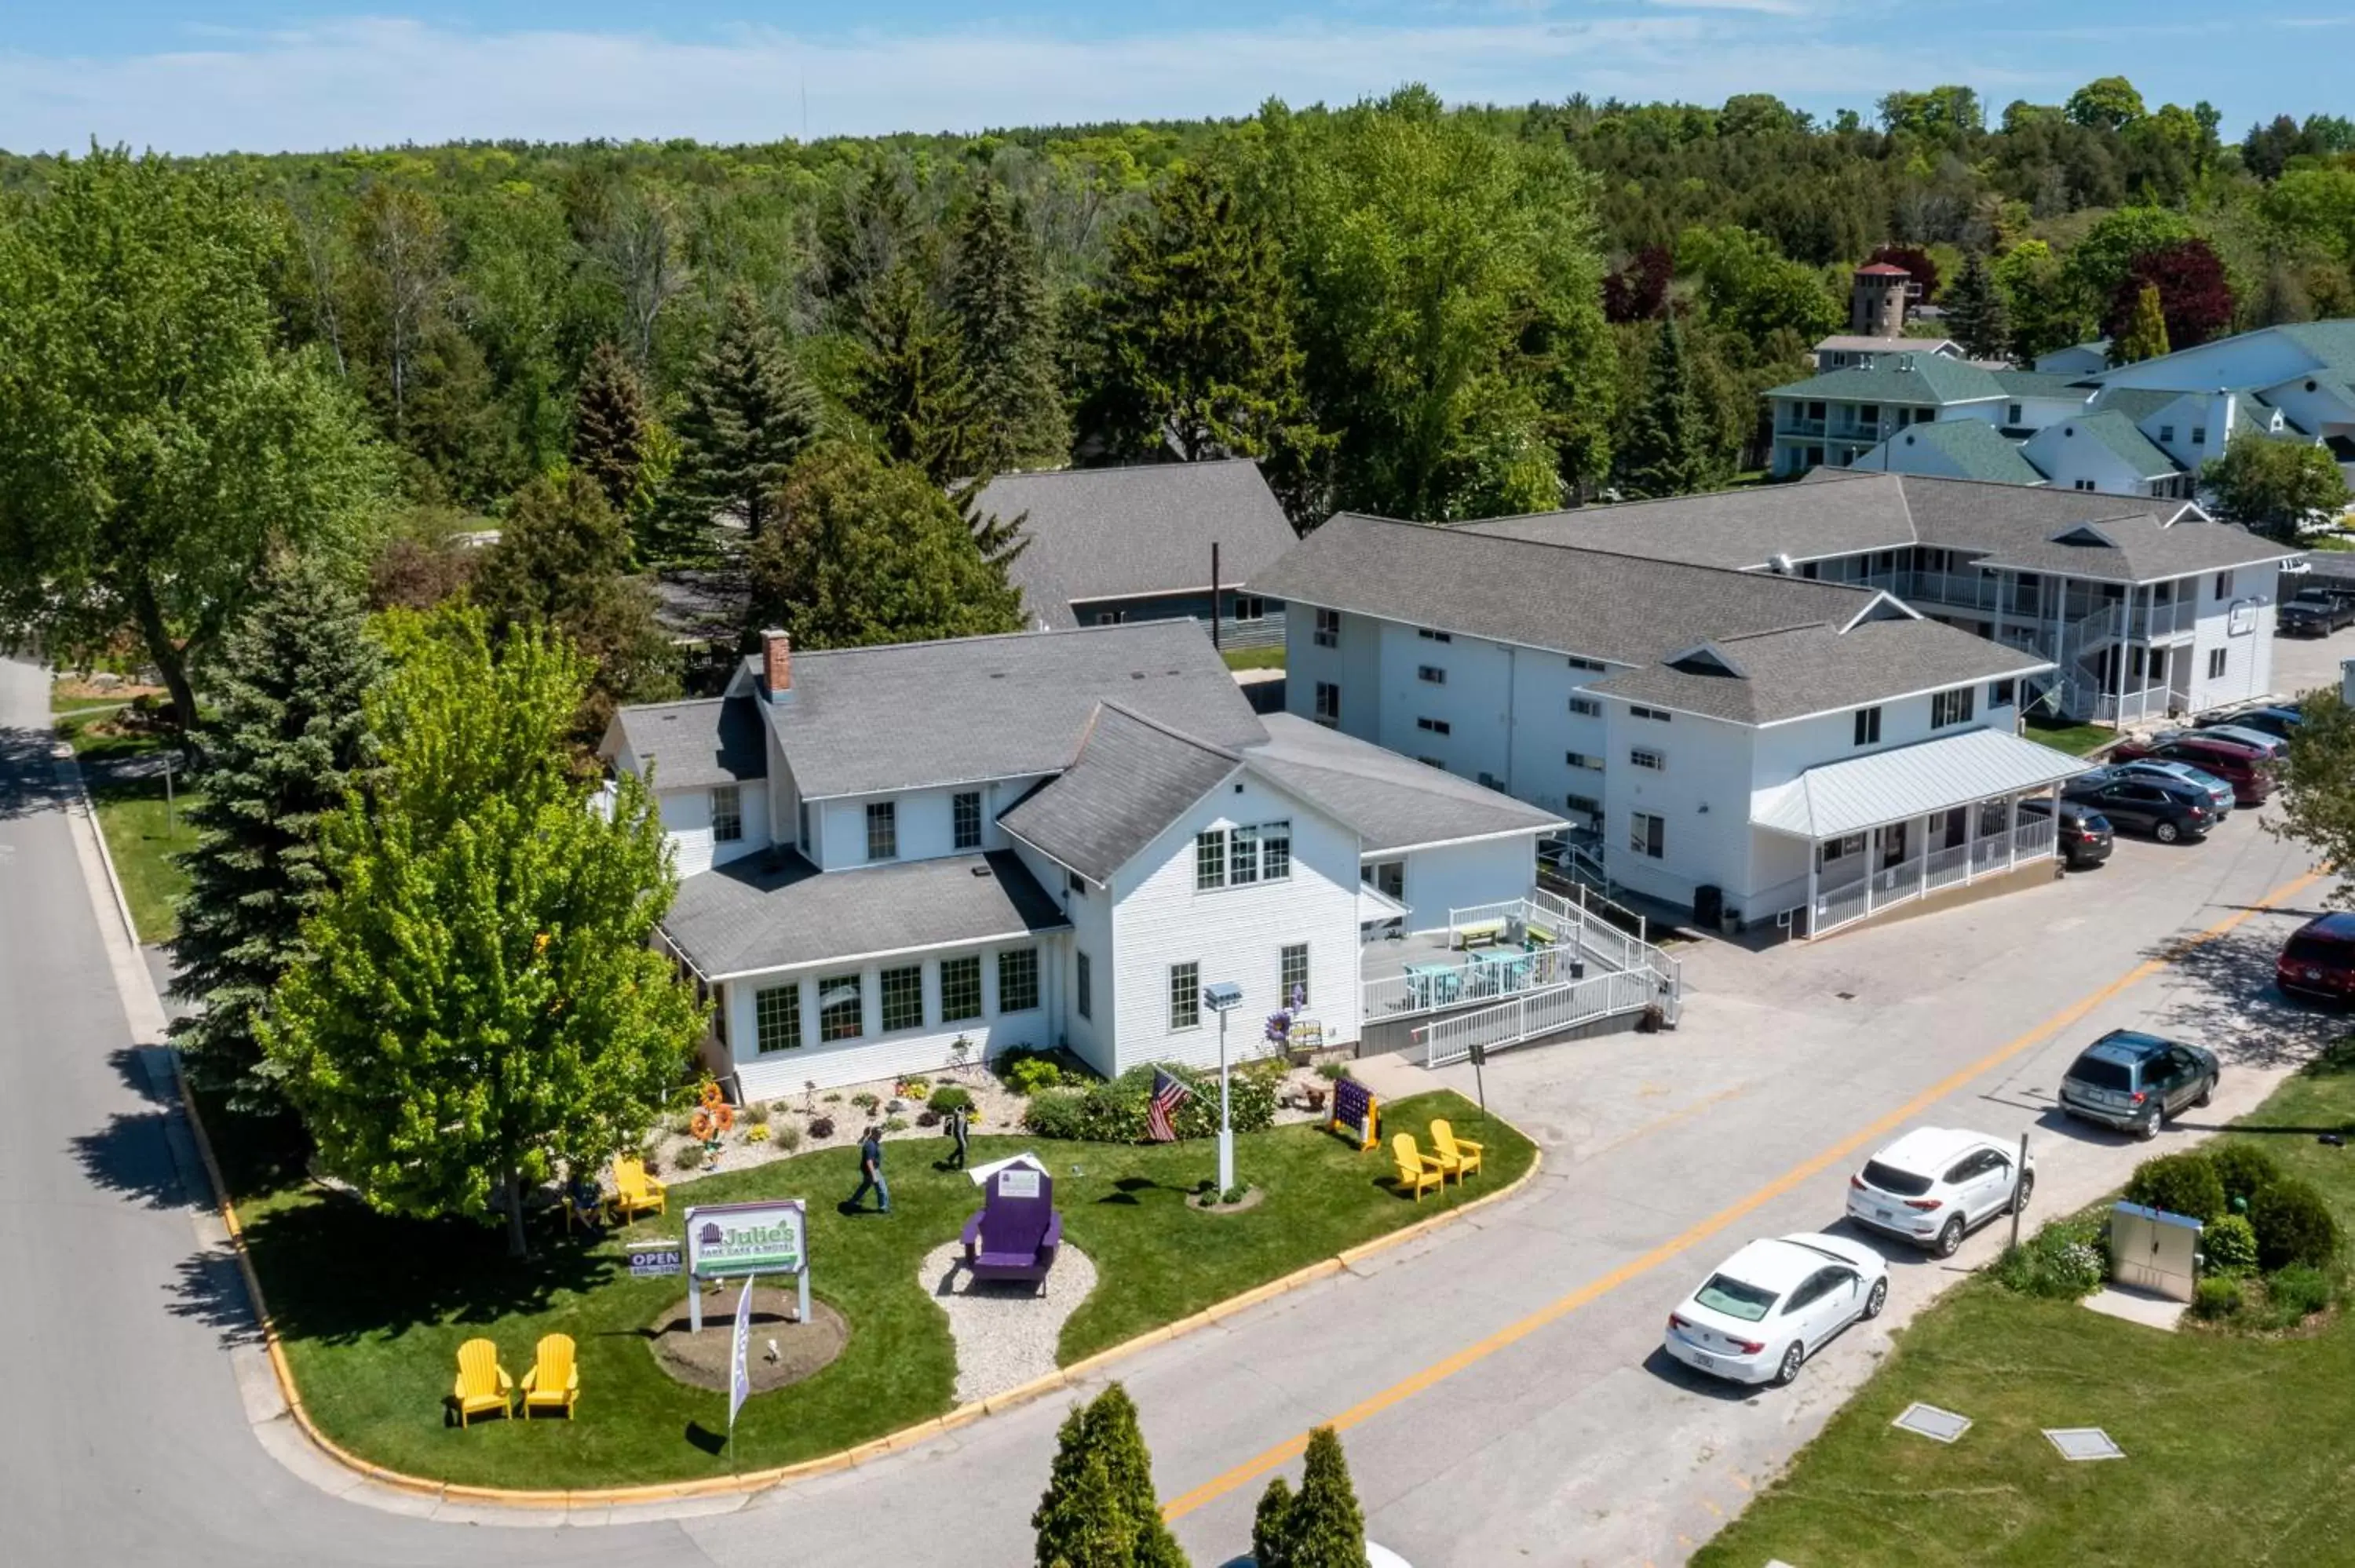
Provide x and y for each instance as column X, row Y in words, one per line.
column 764, row 913
column 1117, row 532
column 691, row 744
column 1974, row 447
column 1132, row 779
column 1739, row 528
column 1393, row 801
column 1926, row 377
column 1484, row 581
column 911, row 715
column 1788, row 675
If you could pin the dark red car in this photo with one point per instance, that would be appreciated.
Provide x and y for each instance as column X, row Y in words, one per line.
column 2248, row 772
column 2319, row 960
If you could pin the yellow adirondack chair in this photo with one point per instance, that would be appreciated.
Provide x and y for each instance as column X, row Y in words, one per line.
column 1458, row 1156
column 554, row 1381
column 1416, row 1169
column 483, row 1384
column 636, row 1193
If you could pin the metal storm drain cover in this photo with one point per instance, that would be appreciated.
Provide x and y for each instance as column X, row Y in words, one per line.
column 1938, row 1425
column 2084, row 1442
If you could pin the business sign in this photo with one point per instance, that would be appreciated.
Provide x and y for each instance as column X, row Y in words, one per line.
column 2242, row 619
column 726, row 1239
column 1018, row 1184
column 657, row 1260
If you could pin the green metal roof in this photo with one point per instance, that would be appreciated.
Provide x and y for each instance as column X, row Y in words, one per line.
column 2137, row 403
column 1931, row 378
column 2040, row 384
column 2117, row 432
column 2332, row 343
column 1974, row 447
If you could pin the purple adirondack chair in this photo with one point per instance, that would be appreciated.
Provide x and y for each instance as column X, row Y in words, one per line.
column 1016, row 1231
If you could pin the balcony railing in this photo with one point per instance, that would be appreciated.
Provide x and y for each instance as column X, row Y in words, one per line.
column 1885, row 887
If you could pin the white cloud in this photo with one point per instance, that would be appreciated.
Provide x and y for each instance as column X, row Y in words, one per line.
column 384, row 81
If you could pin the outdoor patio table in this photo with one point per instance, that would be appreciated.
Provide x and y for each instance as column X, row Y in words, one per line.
column 1499, row 971
column 1433, row 985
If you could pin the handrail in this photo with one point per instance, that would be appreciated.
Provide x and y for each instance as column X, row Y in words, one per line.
column 1538, row 1013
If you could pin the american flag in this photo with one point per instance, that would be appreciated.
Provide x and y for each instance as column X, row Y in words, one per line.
column 1168, row 1094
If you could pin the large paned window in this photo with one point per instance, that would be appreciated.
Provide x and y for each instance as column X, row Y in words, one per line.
column 1210, row 860
column 777, row 1017
column 1237, row 857
column 1185, row 995
column 882, row 830
column 1951, row 707
column 1295, row 975
column 903, row 999
column 960, row 988
column 727, row 814
column 841, row 1008
column 965, row 812
column 1017, row 980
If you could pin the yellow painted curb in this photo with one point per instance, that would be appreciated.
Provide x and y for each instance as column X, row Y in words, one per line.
column 750, row 1481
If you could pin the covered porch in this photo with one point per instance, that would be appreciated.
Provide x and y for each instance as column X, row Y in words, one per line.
column 1896, row 826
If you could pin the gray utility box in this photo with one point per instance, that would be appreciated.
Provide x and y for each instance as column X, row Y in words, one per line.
column 2153, row 1250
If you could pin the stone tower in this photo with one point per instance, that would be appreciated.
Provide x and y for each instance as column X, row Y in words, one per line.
column 1876, row 301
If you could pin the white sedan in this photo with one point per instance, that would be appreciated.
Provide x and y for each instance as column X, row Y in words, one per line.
column 1936, row 1183
column 1773, row 1304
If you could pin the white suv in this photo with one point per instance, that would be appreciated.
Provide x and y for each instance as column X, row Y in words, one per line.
column 1935, row 1183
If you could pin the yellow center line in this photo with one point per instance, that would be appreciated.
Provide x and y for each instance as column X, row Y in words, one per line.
column 1593, row 1290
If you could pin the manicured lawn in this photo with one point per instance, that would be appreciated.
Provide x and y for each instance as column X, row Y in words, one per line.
column 1254, row 657
column 2236, row 1448
column 2076, row 739
column 372, row 1309
column 142, row 832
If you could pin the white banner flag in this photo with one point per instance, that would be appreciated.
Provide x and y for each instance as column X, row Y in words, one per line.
column 740, row 1369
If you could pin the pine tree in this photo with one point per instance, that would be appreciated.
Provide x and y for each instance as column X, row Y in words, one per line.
column 1270, row 1546
column 2146, row 330
column 1666, row 452
column 749, row 415
column 289, row 737
column 1006, row 335
column 1975, row 312
column 1324, row 1528
column 1099, row 1510
column 609, row 425
column 909, row 382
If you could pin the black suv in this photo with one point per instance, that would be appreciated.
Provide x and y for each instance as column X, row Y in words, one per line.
column 2133, row 1081
column 2084, row 836
column 2167, row 812
column 2314, row 612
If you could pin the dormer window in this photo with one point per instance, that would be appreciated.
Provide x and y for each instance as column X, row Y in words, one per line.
column 882, row 830
column 727, row 814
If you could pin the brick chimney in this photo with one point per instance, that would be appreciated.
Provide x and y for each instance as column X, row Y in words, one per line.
column 777, row 666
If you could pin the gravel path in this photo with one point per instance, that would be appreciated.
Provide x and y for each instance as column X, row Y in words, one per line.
column 1004, row 1332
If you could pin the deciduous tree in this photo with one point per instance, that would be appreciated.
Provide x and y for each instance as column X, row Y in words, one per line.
column 2273, row 486
column 481, row 1002
column 867, row 551
column 2315, row 794
column 2105, row 104
column 157, row 437
column 287, row 740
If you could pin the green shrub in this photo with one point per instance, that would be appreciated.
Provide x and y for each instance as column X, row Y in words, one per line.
column 2216, row 1300
column 1056, row 1113
column 1027, row 1072
column 1332, row 1071
column 2230, row 1245
column 895, row 1124
column 2295, row 1292
column 949, row 1097
column 915, row 1089
column 757, row 1114
column 2065, row 1260
column 2294, row 1226
column 1114, row 1112
column 2182, row 1183
column 865, row 1101
column 2244, row 1169
column 689, row 1157
column 788, row 1136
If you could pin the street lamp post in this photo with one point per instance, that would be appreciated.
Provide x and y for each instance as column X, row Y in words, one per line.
column 1223, row 999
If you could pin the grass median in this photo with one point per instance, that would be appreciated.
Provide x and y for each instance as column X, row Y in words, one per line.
column 372, row 1309
column 2233, row 1442
column 144, row 826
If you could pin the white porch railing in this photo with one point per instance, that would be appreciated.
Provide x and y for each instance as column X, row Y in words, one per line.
column 1892, row 885
column 1585, row 944
column 1533, row 1017
column 1436, row 987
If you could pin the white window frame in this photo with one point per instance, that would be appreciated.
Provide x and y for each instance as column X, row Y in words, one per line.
column 1586, row 707
column 1868, row 727
column 1647, row 834
column 1431, row 674
column 1284, row 977
column 1184, row 996
column 777, row 1012
column 1009, row 966
column 1650, row 758
column 968, row 963
column 1433, row 725
column 727, row 814
column 884, row 984
column 885, row 814
column 1327, row 633
column 1328, row 703
column 965, row 810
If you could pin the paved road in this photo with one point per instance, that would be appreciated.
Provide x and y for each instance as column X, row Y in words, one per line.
column 1503, row 1400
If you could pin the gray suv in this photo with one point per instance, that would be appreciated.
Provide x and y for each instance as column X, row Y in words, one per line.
column 2133, row 1081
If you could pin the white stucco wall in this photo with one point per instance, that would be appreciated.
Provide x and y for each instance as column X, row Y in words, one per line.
column 1235, row 933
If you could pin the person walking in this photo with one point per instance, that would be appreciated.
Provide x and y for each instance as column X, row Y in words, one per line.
column 871, row 1169
column 957, row 1132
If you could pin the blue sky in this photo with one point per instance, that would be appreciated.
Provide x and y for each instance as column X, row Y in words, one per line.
column 267, row 75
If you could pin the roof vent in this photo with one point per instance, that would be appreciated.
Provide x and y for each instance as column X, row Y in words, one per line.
column 980, row 868
column 1783, row 564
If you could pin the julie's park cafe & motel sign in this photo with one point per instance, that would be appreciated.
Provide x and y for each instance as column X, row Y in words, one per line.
column 732, row 1241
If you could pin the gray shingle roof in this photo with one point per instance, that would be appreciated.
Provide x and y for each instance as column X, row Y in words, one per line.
column 2015, row 526
column 1817, row 669
column 1392, row 801
column 1115, row 533
column 1741, row 528
column 1926, row 377
column 757, row 914
column 1484, row 582
column 1974, row 447
column 910, row 715
column 1133, row 778
column 691, row 744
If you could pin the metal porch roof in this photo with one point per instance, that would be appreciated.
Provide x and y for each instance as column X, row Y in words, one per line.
column 1908, row 781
